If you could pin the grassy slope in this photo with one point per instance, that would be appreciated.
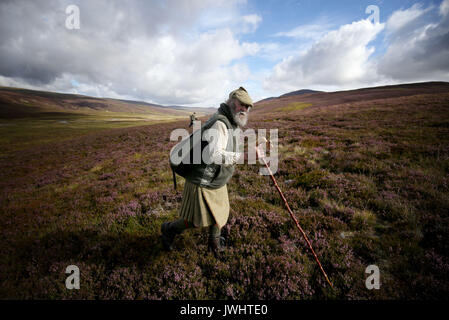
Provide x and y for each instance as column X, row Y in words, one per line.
column 29, row 118
column 368, row 182
column 17, row 103
column 19, row 134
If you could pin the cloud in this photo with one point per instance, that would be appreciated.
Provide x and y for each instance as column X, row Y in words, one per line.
column 339, row 58
column 401, row 18
column 251, row 23
column 312, row 31
column 161, row 52
column 418, row 47
column 444, row 8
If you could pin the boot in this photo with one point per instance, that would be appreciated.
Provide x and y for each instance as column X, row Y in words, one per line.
column 171, row 229
column 168, row 235
column 216, row 245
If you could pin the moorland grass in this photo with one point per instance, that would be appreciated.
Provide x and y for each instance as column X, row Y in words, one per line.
column 368, row 183
column 295, row 106
column 21, row 133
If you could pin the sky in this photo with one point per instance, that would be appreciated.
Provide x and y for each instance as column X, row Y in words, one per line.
column 194, row 52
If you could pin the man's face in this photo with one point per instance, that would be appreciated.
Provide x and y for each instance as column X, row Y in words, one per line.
column 239, row 112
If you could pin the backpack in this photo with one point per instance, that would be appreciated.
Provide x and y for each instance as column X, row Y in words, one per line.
column 198, row 173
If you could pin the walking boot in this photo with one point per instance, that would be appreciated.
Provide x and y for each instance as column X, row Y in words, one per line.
column 216, row 245
column 170, row 230
column 168, row 235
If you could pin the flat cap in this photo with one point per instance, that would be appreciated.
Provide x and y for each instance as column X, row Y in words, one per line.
column 242, row 95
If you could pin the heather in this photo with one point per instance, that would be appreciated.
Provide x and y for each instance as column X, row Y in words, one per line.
column 367, row 181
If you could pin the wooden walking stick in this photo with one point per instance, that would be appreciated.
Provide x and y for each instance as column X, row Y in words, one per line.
column 291, row 214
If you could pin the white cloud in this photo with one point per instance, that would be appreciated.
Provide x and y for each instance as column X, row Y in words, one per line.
column 401, row 18
column 193, row 72
column 339, row 58
column 417, row 49
column 307, row 31
column 251, row 23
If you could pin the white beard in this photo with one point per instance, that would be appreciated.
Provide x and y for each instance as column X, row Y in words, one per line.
column 241, row 118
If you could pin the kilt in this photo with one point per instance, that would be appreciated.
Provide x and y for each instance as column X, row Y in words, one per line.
column 204, row 207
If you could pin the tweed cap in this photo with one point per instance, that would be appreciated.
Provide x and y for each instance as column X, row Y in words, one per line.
column 242, row 95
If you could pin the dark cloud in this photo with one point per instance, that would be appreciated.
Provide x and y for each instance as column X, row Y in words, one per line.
column 419, row 48
column 146, row 49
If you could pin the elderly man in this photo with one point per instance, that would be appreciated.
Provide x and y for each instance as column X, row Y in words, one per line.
column 205, row 201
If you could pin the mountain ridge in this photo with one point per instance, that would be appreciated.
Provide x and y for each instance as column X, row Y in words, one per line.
column 320, row 99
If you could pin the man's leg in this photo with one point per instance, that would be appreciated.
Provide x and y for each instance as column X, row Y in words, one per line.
column 171, row 229
column 216, row 242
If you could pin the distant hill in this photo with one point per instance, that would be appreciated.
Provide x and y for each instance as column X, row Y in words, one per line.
column 299, row 92
column 293, row 93
column 267, row 99
column 189, row 109
column 193, row 109
column 319, row 99
column 19, row 103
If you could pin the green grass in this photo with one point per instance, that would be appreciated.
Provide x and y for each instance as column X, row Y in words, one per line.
column 294, row 106
column 19, row 134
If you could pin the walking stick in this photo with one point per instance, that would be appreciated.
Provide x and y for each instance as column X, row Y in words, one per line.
column 174, row 178
column 291, row 215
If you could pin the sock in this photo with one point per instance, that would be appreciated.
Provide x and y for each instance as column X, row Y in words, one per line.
column 214, row 232
column 180, row 225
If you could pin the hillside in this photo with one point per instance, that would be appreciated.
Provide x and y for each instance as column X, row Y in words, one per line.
column 320, row 99
column 299, row 92
column 29, row 117
column 19, row 103
column 293, row 93
column 364, row 171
